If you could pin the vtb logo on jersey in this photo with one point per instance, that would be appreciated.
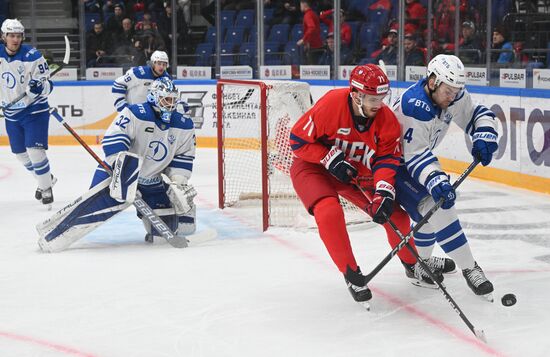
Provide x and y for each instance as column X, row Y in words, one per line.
column 356, row 151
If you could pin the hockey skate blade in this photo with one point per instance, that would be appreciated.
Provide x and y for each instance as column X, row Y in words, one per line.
column 422, row 284
column 489, row 297
column 364, row 304
column 202, row 237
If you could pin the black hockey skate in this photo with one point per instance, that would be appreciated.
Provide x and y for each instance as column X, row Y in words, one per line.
column 47, row 198
column 420, row 278
column 38, row 192
column 357, row 287
column 478, row 282
column 440, row 264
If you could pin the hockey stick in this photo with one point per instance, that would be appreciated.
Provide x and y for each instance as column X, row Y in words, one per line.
column 405, row 241
column 139, row 203
column 419, row 225
column 53, row 73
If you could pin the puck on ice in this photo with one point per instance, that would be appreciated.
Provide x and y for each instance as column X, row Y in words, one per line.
column 509, row 300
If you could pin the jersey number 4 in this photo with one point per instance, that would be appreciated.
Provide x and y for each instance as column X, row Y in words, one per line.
column 408, row 135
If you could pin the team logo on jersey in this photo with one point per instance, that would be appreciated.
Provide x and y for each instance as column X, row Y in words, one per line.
column 344, row 131
column 10, row 80
column 447, row 118
column 21, row 69
column 171, row 139
column 158, row 151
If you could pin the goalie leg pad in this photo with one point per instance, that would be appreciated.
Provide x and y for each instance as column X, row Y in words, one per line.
column 156, row 197
column 124, row 181
column 78, row 218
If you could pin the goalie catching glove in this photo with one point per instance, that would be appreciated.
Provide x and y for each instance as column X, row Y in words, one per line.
column 181, row 194
column 381, row 206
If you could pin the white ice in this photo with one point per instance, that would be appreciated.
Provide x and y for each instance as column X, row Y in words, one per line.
column 253, row 294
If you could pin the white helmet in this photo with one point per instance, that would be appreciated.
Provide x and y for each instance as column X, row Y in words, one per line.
column 12, row 26
column 447, row 69
column 160, row 56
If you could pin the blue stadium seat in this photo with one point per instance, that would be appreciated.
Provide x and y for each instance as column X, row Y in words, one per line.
column 324, row 32
column 279, row 34
column 292, row 53
column 272, row 53
column 228, row 18
column 379, row 17
column 268, row 15
column 211, row 34
column 227, row 54
column 245, row 19
column 247, row 54
column 235, row 35
column 296, row 33
column 204, row 54
column 252, row 33
column 355, row 28
column 91, row 19
column 369, row 34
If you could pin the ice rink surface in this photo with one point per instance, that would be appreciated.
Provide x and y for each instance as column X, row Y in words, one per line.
column 252, row 294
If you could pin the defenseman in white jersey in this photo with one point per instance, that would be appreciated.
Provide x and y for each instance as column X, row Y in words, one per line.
column 425, row 111
column 131, row 88
column 24, row 70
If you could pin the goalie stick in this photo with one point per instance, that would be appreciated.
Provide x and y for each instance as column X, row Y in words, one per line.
column 139, row 203
column 53, row 73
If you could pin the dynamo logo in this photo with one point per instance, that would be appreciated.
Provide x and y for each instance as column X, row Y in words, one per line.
column 158, row 151
column 10, row 80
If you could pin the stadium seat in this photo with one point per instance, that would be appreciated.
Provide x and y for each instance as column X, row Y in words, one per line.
column 296, row 33
column 204, row 54
column 272, row 54
column 279, row 34
column 247, row 54
column 211, row 35
column 369, row 34
column 235, row 35
column 379, row 17
column 91, row 19
column 355, row 28
column 268, row 15
column 227, row 54
column 292, row 53
column 324, row 32
column 245, row 19
column 228, row 18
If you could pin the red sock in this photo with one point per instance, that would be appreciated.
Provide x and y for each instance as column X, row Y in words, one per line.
column 402, row 221
column 329, row 216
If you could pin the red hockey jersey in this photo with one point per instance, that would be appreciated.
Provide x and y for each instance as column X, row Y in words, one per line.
column 374, row 152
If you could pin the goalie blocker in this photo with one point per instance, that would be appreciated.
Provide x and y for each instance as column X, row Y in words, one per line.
column 109, row 196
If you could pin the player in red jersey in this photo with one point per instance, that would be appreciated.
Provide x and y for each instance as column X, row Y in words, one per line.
column 350, row 136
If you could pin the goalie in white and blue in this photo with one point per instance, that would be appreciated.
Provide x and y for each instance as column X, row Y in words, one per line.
column 150, row 149
column 425, row 110
column 25, row 71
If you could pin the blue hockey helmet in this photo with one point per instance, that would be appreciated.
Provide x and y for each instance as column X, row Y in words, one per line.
column 163, row 95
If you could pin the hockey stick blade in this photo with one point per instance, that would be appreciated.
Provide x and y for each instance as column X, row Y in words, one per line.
column 202, row 237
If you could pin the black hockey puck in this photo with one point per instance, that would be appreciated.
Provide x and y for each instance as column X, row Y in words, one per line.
column 509, row 300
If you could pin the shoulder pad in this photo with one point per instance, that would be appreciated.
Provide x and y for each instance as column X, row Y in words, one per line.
column 142, row 72
column 181, row 122
column 142, row 112
column 30, row 53
column 417, row 106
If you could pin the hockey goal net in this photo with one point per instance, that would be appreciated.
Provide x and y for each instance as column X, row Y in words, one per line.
column 254, row 119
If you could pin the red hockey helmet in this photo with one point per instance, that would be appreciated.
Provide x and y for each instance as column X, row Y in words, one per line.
column 369, row 79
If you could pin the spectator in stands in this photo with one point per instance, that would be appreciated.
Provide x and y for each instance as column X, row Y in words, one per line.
column 505, row 50
column 150, row 39
column 239, row 4
column 209, row 11
column 185, row 7
column 388, row 51
column 114, row 23
column 416, row 15
column 147, row 19
column 123, row 43
column 285, row 11
column 98, row 45
column 311, row 41
column 470, row 44
column 92, row 6
column 345, row 29
column 165, row 27
column 328, row 55
column 109, row 6
column 414, row 56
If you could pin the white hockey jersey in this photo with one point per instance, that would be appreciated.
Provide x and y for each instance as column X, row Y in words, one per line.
column 16, row 72
column 131, row 88
column 164, row 148
column 423, row 126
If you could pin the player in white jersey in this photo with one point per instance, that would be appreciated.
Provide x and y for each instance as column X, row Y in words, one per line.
column 131, row 88
column 24, row 70
column 149, row 147
column 425, row 111
column 165, row 141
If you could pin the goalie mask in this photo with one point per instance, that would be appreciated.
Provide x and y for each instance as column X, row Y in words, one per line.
column 163, row 96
